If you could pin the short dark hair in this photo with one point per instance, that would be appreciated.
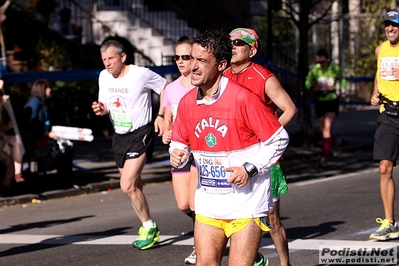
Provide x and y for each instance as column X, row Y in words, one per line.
column 322, row 52
column 216, row 42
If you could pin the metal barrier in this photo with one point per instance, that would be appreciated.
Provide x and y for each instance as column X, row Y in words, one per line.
column 360, row 90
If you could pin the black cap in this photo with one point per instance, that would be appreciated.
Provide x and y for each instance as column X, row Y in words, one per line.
column 392, row 15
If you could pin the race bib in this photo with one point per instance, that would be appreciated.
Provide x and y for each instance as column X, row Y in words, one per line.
column 387, row 65
column 174, row 111
column 213, row 177
column 120, row 118
column 326, row 83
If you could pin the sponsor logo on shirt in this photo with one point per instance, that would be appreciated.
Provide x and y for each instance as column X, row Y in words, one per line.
column 210, row 122
column 210, row 140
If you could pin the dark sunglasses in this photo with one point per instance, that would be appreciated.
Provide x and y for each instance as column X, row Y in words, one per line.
column 238, row 42
column 388, row 23
column 185, row 57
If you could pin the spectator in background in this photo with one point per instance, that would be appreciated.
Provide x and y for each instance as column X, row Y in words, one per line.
column 35, row 126
column 9, row 132
column 35, row 114
column 42, row 144
column 6, row 159
column 322, row 80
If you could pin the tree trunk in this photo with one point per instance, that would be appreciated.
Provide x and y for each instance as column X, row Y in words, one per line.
column 269, row 40
column 303, row 67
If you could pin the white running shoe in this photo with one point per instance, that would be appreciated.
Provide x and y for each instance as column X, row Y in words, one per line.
column 192, row 258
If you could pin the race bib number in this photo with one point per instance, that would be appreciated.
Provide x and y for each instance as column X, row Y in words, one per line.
column 387, row 65
column 213, row 177
column 119, row 117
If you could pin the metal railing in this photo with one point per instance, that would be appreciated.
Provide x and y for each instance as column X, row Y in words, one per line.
column 85, row 19
column 163, row 22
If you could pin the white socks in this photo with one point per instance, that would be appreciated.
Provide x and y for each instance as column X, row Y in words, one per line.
column 148, row 224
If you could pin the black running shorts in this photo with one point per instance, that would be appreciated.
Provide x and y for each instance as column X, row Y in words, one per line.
column 131, row 145
column 386, row 139
column 323, row 107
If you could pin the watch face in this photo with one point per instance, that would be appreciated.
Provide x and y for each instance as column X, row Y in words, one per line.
column 251, row 169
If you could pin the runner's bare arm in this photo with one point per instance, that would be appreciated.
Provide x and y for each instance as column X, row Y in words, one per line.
column 275, row 91
column 158, row 123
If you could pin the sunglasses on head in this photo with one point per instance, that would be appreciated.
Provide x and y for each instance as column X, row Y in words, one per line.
column 391, row 23
column 238, row 42
column 185, row 57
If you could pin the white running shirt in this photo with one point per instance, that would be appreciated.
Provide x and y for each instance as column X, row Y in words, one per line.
column 128, row 98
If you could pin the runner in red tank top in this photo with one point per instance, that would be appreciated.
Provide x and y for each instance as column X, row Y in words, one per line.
column 264, row 83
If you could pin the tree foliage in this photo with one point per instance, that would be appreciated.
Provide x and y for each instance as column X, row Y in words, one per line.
column 304, row 14
column 371, row 33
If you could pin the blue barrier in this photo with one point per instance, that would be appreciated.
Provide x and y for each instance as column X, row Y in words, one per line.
column 360, row 79
column 92, row 74
column 71, row 75
column 68, row 75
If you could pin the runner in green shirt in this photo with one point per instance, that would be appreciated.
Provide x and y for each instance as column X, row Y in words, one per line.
column 322, row 80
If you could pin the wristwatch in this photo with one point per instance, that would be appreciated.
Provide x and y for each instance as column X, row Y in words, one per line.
column 251, row 169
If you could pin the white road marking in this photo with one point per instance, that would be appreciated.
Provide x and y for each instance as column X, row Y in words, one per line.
column 315, row 181
column 298, row 244
column 88, row 239
column 314, row 244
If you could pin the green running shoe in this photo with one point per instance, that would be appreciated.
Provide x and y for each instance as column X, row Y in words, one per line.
column 262, row 262
column 147, row 237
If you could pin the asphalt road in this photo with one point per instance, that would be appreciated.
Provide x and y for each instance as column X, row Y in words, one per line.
column 97, row 229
